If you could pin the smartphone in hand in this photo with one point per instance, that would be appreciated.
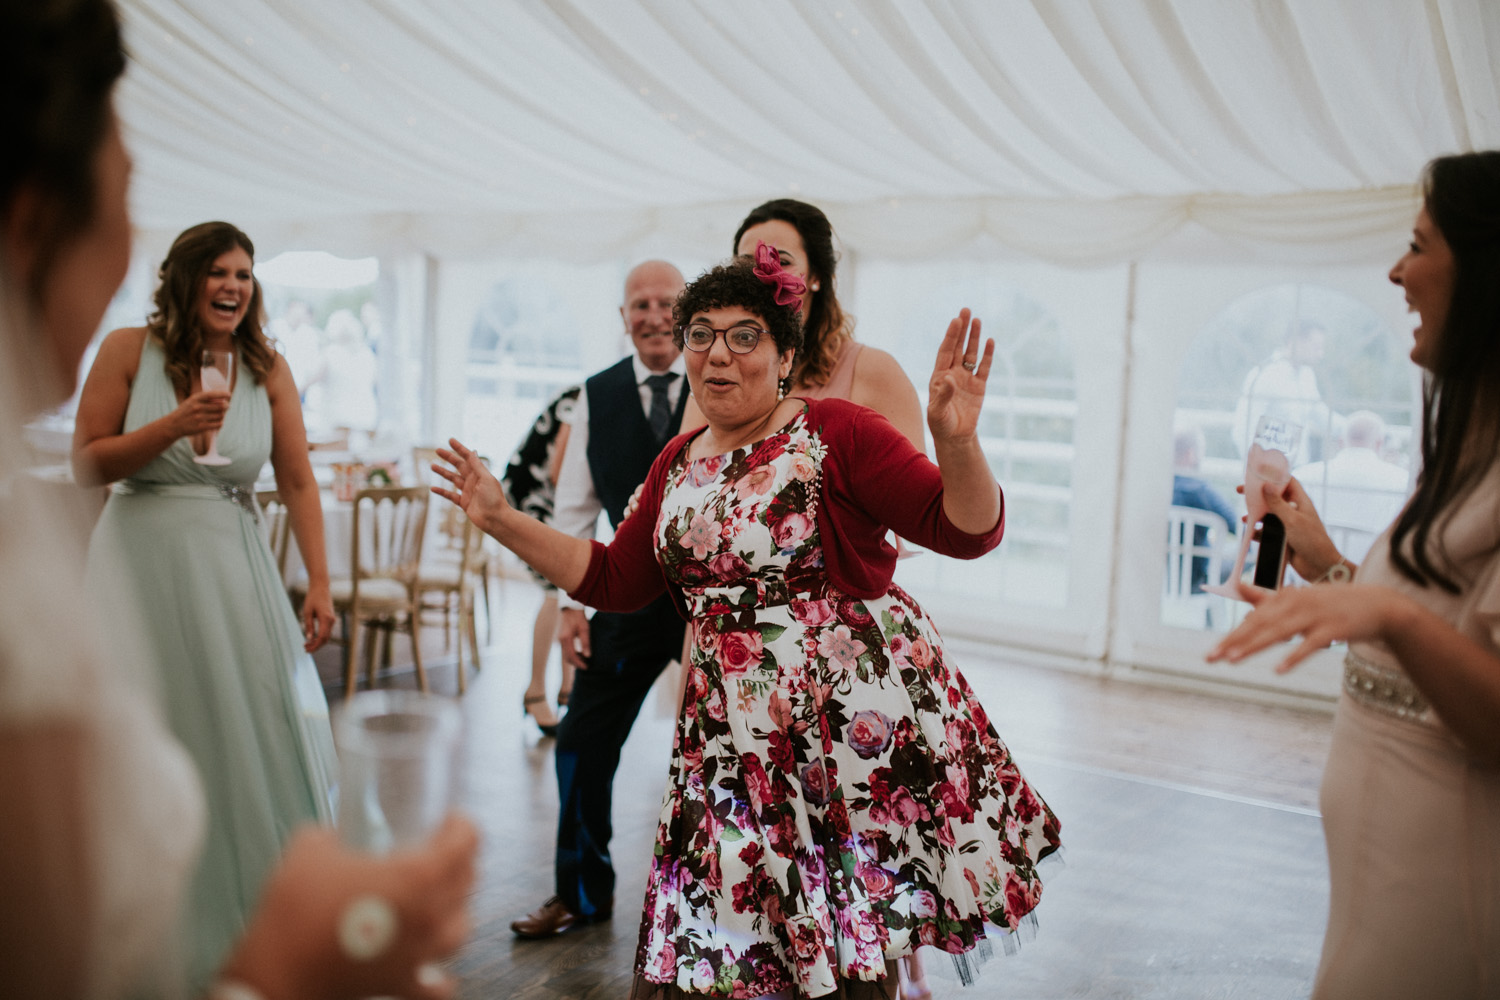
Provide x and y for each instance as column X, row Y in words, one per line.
column 1270, row 564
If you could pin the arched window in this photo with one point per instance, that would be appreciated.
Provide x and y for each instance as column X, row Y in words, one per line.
column 1316, row 357
column 323, row 318
column 524, row 347
column 1027, row 429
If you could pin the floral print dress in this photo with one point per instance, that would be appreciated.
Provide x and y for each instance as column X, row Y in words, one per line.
column 837, row 794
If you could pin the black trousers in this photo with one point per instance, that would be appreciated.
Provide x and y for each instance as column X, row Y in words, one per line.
column 628, row 654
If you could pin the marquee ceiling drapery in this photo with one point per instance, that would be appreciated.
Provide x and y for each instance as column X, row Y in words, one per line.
column 1079, row 132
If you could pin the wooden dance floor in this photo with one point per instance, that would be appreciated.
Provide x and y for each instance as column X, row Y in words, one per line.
column 1193, row 868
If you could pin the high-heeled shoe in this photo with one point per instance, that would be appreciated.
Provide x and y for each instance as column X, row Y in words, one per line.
column 912, row 978
column 548, row 729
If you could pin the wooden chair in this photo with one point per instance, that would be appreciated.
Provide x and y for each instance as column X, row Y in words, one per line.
column 276, row 523
column 451, row 583
column 422, row 458
column 380, row 594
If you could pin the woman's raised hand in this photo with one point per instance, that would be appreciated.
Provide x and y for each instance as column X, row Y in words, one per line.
column 955, row 394
column 476, row 490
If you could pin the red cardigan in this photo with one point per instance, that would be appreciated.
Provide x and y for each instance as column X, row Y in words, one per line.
column 872, row 479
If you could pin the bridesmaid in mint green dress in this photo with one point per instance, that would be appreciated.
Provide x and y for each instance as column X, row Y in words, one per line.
column 182, row 541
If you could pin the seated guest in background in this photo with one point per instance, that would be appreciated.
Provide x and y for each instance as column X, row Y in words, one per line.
column 1357, row 488
column 298, row 338
column 182, row 540
column 102, row 813
column 1190, row 490
column 837, row 794
column 348, row 396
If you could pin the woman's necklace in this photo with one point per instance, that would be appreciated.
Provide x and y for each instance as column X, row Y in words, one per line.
column 719, row 445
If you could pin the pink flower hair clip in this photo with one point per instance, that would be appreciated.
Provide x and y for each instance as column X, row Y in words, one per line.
column 789, row 287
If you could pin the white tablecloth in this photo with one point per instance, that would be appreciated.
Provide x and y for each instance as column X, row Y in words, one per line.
column 338, row 537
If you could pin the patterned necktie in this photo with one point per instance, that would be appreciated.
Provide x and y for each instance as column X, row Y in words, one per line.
column 661, row 409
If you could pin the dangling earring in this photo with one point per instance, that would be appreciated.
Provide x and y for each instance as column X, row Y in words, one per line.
column 780, row 389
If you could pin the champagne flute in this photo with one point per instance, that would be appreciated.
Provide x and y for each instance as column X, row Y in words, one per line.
column 218, row 371
column 1269, row 462
column 398, row 767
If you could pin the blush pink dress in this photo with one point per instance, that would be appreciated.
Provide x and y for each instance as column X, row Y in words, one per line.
column 841, row 380
column 1412, row 818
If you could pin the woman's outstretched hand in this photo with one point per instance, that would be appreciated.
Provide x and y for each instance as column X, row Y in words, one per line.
column 475, row 489
column 1321, row 614
column 955, row 394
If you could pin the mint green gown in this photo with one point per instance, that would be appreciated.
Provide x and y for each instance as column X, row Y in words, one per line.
column 183, row 541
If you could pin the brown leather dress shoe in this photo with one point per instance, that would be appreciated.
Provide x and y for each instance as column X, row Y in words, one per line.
column 552, row 919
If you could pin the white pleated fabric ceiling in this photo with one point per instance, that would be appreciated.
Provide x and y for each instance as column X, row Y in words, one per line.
column 1077, row 132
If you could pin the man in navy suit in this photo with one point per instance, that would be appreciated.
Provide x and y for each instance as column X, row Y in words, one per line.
column 623, row 417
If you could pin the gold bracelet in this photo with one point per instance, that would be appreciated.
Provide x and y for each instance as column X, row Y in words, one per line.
column 1339, row 572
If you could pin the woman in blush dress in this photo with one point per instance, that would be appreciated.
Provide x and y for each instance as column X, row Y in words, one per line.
column 837, row 794
column 1411, row 792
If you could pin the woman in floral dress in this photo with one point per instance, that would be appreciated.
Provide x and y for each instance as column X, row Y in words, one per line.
column 837, row 794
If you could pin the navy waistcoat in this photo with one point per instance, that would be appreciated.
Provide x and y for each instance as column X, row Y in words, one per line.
column 621, row 444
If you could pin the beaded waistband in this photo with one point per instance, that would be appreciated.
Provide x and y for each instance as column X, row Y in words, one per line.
column 244, row 496
column 1383, row 689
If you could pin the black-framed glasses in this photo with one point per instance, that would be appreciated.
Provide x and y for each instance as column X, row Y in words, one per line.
column 740, row 338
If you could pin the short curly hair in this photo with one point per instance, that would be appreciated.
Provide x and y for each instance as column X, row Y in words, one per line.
column 733, row 283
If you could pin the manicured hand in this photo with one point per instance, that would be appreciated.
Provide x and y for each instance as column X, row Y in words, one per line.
column 317, row 618
column 634, row 502
column 202, row 411
column 1321, row 615
column 296, row 945
column 573, row 637
column 475, row 489
column 955, row 393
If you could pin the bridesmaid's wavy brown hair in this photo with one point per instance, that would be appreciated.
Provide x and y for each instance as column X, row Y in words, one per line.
column 175, row 322
column 826, row 327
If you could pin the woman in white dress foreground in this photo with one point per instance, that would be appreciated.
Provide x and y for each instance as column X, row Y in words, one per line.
column 1411, row 793
column 102, row 813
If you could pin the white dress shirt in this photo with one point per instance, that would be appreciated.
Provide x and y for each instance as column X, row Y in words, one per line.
column 577, row 507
